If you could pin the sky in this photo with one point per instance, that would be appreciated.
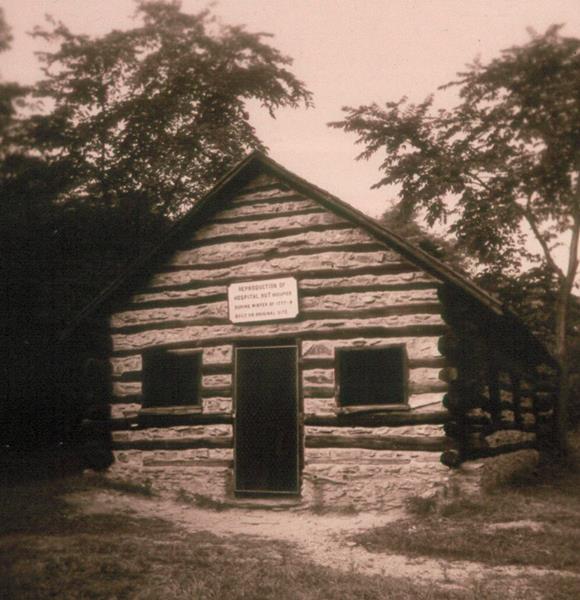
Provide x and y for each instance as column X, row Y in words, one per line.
column 348, row 52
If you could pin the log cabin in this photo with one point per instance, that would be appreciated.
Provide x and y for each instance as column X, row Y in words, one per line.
column 280, row 344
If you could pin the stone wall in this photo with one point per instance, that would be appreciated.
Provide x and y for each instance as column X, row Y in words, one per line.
column 339, row 480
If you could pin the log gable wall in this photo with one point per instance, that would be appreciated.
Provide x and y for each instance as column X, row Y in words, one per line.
column 353, row 292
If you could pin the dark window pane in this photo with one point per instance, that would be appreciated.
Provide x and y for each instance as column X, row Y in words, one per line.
column 372, row 376
column 171, row 379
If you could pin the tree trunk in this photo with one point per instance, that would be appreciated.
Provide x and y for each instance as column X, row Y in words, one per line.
column 561, row 407
column 562, row 310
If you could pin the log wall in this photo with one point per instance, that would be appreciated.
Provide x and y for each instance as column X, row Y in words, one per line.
column 494, row 392
column 353, row 292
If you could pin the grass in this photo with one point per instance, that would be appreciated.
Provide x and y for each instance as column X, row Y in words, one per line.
column 144, row 489
column 158, row 564
column 48, row 551
column 201, row 501
column 495, row 530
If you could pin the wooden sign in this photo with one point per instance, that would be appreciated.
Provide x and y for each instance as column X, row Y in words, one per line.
column 268, row 300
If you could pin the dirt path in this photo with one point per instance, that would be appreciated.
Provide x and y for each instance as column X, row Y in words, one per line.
column 321, row 538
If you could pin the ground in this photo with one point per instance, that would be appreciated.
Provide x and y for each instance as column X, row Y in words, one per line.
column 89, row 538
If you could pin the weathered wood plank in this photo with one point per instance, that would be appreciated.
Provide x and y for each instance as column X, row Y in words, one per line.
column 212, row 385
column 219, row 436
column 354, row 431
column 365, row 300
column 418, row 347
column 281, row 205
column 170, row 419
column 218, row 404
column 128, row 368
column 413, row 324
column 275, row 190
column 190, row 463
column 320, row 271
column 198, row 294
column 151, row 316
column 373, row 302
column 134, row 326
column 173, row 444
column 428, row 401
column 372, row 281
column 331, row 261
column 425, row 444
column 317, row 286
column 381, row 424
column 296, row 222
column 418, row 387
column 122, row 389
column 317, row 354
column 329, row 363
column 320, row 406
column 379, row 419
column 417, row 377
column 203, row 431
column 125, row 364
column 213, row 381
column 417, row 404
column 214, row 355
column 255, row 248
column 508, row 438
column 125, row 411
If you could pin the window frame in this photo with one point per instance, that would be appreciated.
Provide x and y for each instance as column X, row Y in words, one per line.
column 157, row 407
column 350, row 408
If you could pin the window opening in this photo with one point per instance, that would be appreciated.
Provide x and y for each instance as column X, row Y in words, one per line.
column 370, row 376
column 171, row 378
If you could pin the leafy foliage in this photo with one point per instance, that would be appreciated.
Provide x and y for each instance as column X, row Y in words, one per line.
column 501, row 168
column 145, row 119
column 500, row 163
column 406, row 225
column 119, row 138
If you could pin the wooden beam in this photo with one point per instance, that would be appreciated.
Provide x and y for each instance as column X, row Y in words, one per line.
column 183, row 443
column 197, row 294
column 371, row 408
column 257, row 216
column 329, row 363
column 166, row 419
column 276, row 195
column 265, row 227
column 147, row 320
column 337, row 262
column 378, row 419
column 368, row 248
column 192, row 343
column 391, row 326
column 424, row 444
column 270, row 206
column 398, row 268
column 489, row 452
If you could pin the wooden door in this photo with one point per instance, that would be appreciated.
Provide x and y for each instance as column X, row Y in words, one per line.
column 266, row 433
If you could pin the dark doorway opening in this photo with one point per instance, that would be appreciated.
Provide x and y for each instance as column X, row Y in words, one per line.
column 266, row 424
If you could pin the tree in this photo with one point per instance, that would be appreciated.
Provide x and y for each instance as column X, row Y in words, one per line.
column 146, row 119
column 407, row 226
column 120, row 137
column 502, row 166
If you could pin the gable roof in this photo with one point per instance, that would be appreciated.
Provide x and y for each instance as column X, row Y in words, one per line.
column 255, row 163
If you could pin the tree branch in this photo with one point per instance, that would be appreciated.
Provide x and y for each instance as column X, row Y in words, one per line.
column 528, row 215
